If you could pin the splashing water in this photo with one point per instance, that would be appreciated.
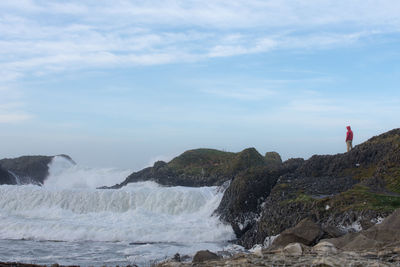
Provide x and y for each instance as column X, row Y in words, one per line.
column 69, row 208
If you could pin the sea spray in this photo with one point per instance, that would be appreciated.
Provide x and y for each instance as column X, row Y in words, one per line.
column 69, row 208
column 135, row 224
column 65, row 174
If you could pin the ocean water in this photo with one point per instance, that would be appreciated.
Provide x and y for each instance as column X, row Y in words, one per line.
column 69, row 221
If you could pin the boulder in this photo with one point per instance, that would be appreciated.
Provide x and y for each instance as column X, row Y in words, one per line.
column 361, row 242
column 378, row 236
column 305, row 232
column 324, row 247
column 205, row 255
column 387, row 231
column 293, row 249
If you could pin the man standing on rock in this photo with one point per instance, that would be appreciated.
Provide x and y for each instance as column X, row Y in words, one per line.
column 349, row 139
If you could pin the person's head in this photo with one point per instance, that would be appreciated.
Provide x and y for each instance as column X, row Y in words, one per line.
column 348, row 128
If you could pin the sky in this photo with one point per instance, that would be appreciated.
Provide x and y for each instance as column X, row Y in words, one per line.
column 125, row 83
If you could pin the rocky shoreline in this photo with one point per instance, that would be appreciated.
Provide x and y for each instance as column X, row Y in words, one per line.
column 337, row 199
column 377, row 246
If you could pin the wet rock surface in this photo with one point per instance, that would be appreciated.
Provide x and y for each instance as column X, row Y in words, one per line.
column 6, row 177
column 28, row 169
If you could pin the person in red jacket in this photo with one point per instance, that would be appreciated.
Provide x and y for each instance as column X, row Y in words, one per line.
column 349, row 139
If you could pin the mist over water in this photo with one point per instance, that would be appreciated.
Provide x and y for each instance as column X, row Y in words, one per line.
column 69, row 208
column 64, row 174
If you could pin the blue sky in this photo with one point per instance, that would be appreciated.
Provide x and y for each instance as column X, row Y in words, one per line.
column 124, row 83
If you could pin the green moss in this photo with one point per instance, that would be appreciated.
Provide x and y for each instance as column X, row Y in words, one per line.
column 303, row 198
column 300, row 196
column 392, row 179
column 361, row 198
column 206, row 162
column 281, row 186
column 360, row 173
column 394, row 139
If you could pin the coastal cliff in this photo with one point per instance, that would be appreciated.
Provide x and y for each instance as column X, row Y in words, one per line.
column 264, row 196
column 340, row 191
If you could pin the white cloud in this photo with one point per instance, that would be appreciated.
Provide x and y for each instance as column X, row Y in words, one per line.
column 41, row 36
column 248, row 94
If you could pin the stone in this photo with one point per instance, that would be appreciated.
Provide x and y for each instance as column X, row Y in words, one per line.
column 324, row 247
column 381, row 235
column 293, row 249
column 305, row 232
column 361, row 242
column 326, row 262
column 205, row 255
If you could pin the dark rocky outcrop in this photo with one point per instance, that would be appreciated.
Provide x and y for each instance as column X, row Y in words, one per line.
column 28, row 169
column 267, row 196
column 341, row 189
column 199, row 167
column 6, row 177
column 240, row 205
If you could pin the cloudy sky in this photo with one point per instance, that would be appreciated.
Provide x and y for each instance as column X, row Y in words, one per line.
column 124, row 83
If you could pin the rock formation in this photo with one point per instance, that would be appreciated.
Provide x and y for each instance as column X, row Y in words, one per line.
column 265, row 196
column 343, row 189
column 6, row 177
column 199, row 167
column 26, row 169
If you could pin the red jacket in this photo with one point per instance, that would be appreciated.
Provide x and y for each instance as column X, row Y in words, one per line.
column 349, row 135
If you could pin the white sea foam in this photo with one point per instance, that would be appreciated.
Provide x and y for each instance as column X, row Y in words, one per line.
column 69, row 208
column 64, row 174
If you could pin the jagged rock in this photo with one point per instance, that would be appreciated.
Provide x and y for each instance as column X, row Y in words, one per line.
column 273, row 158
column 240, row 203
column 29, row 169
column 324, row 247
column 293, row 249
column 376, row 237
column 353, row 185
column 305, row 232
column 205, row 255
column 331, row 231
column 6, row 177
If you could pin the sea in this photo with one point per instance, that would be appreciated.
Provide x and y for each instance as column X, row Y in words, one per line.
column 70, row 222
